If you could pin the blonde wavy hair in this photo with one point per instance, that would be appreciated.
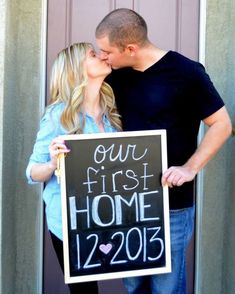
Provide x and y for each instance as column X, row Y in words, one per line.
column 68, row 84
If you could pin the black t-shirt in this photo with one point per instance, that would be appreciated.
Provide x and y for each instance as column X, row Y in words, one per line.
column 173, row 94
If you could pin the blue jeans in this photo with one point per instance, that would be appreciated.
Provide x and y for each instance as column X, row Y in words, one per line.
column 181, row 227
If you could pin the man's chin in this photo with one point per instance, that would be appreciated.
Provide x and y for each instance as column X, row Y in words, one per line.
column 115, row 67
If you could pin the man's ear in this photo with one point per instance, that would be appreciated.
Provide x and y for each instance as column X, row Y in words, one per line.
column 131, row 49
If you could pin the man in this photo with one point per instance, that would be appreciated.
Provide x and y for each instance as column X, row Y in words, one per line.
column 156, row 89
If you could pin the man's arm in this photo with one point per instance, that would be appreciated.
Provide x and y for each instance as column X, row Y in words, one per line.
column 219, row 130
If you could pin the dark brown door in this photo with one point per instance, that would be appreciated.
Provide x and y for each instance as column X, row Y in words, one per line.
column 173, row 25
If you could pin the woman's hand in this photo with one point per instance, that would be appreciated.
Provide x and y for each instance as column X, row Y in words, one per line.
column 56, row 148
column 42, row 172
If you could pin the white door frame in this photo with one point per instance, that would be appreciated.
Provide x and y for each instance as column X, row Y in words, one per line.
column 200, row 177
column 200, row 186
column 42, row 95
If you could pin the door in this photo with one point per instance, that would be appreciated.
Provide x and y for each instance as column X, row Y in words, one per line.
column 173, row 25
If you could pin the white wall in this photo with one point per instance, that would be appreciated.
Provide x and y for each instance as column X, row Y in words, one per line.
column 216, row 270
column 20, row 50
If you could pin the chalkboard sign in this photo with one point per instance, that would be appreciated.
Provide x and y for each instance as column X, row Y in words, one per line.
column 115, row 211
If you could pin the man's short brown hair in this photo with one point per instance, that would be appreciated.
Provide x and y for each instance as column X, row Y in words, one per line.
column 122, row 27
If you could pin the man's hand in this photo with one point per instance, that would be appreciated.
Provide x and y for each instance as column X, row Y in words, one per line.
column 177, row 176
column 219, row 130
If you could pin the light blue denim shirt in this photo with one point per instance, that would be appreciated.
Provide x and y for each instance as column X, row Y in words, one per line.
column 50, row 127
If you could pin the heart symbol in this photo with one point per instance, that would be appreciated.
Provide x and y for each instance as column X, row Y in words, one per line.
column 105, row 248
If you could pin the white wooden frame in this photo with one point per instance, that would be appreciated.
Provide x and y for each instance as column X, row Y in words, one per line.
column 119, row 274
column 200, row 177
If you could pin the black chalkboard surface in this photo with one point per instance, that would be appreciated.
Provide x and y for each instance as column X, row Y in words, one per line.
column 115, row 211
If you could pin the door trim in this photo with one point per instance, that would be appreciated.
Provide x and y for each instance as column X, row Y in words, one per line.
column 42, row 97
column 200, row 181
column 200, row 177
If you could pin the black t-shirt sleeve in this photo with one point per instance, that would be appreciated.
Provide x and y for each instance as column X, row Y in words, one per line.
column 207, row 98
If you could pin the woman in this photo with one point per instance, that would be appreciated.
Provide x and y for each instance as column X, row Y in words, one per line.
column 80, row 102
